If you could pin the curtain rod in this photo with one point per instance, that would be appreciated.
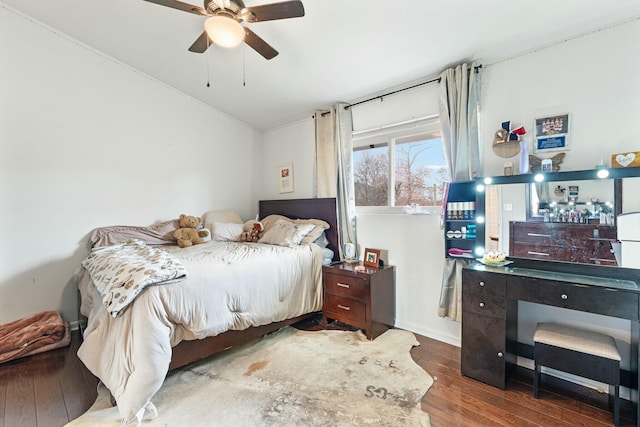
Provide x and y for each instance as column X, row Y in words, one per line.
column 346, row 107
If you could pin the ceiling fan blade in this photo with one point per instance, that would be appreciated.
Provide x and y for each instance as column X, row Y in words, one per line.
column 185, row 7
column 201, row 44
column 270, row 12
column 259, row 45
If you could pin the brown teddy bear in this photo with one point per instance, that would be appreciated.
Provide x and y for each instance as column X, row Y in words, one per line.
column 252, row 231
column 188, row 234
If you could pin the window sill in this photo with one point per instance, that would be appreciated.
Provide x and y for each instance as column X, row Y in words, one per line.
column 399, row 210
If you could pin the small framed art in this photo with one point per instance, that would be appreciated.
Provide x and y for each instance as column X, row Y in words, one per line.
column 285, row 178
column 371, row 257
column 551, row 133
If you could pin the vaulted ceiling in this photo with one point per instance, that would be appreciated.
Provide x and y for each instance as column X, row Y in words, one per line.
column 341, row 50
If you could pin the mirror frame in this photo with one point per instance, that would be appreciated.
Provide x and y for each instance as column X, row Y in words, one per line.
column 580, row 175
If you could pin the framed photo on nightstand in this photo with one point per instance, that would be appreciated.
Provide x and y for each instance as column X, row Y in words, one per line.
column 371, row 257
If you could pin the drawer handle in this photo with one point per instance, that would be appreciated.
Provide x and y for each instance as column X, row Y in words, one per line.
column 481, row 284
column 564, row 296
column 500, row 354
column 538, row 235
column 344, row 307
column 343, row 285
column 538, row 253
column 482, row 304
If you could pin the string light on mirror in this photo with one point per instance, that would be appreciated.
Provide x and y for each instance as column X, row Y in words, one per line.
column 602, row 171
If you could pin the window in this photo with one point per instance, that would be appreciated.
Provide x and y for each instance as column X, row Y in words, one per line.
column 409, row 160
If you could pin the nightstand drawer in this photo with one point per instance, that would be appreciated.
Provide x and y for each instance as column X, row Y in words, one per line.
column 345, row 310
column 347, row 286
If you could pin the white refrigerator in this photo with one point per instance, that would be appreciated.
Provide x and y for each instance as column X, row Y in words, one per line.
column 629, row 237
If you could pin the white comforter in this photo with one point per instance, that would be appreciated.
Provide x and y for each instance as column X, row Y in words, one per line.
column 230, row 286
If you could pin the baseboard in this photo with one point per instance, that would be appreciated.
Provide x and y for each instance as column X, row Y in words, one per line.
column 435, row 334
column 74, row 325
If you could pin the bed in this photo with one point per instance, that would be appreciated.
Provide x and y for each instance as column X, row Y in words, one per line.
column 233, row 293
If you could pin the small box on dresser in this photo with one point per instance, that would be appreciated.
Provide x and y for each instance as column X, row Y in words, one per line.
column 366, row 300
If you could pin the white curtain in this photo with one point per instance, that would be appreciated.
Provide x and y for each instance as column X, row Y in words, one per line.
column 326, row 171
column 459, row 120
column 334, row 168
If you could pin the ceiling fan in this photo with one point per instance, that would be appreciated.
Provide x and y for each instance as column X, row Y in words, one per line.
column 223, row 27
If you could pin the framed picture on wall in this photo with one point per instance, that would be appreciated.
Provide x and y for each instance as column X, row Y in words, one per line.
column 551, row 133
column 285, row 178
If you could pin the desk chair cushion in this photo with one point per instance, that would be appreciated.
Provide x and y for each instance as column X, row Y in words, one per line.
column 576, row 339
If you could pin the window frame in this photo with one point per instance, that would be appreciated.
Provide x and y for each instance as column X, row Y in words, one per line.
column 388, row 135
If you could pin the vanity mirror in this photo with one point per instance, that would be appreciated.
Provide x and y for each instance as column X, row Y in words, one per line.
column 562, row 216
column 578, row 202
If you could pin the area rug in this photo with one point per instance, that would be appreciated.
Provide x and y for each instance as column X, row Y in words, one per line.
column 291, row 378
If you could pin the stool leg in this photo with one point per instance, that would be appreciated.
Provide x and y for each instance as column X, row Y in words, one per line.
column 536, row 380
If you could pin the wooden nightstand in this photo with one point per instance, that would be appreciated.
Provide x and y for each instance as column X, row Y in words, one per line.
column 365, row 300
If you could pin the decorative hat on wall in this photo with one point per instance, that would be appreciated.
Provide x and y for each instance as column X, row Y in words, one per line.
column 506, row 142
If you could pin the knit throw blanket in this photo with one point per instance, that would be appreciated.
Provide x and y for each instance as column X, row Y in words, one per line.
column 121, row 272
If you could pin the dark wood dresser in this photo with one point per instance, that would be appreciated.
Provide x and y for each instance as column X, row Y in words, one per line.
column 366, row 300
column 557, row 241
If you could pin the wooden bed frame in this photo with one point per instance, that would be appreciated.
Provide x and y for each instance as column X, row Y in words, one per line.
column 325, row 208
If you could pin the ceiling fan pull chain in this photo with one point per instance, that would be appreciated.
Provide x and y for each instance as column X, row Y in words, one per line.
column 208, row 55
column 244, row 65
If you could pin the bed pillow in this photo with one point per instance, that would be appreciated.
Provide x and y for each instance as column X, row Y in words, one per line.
column 286, row 233
column 320, row 226
column 318, row 230
column 327, row 256
column 226, row 216
column 322, row 241
column 270, row 220
column 227, row 232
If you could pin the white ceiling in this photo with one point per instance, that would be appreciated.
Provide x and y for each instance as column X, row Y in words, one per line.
column 340, row 51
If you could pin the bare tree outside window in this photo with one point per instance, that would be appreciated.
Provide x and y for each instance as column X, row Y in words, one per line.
column 419, row 173
column 371, row 177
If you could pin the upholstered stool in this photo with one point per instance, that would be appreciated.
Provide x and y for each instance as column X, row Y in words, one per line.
column 580, row 352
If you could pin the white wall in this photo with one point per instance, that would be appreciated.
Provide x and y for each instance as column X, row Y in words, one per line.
column 87, row 142
column 293, row 143
column 594, row 78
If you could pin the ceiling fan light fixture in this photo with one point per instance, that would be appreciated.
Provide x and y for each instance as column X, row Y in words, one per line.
column 224, row 31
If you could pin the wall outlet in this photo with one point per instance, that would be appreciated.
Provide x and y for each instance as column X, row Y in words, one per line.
column 508, row 207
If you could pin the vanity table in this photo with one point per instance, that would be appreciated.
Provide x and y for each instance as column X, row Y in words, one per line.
column 490, row 298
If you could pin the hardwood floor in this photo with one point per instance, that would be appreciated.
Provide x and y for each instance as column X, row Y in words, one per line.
column 49, row 389
column 456, row 400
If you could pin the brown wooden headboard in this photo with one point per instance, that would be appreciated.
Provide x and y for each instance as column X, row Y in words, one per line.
column 323, row 208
